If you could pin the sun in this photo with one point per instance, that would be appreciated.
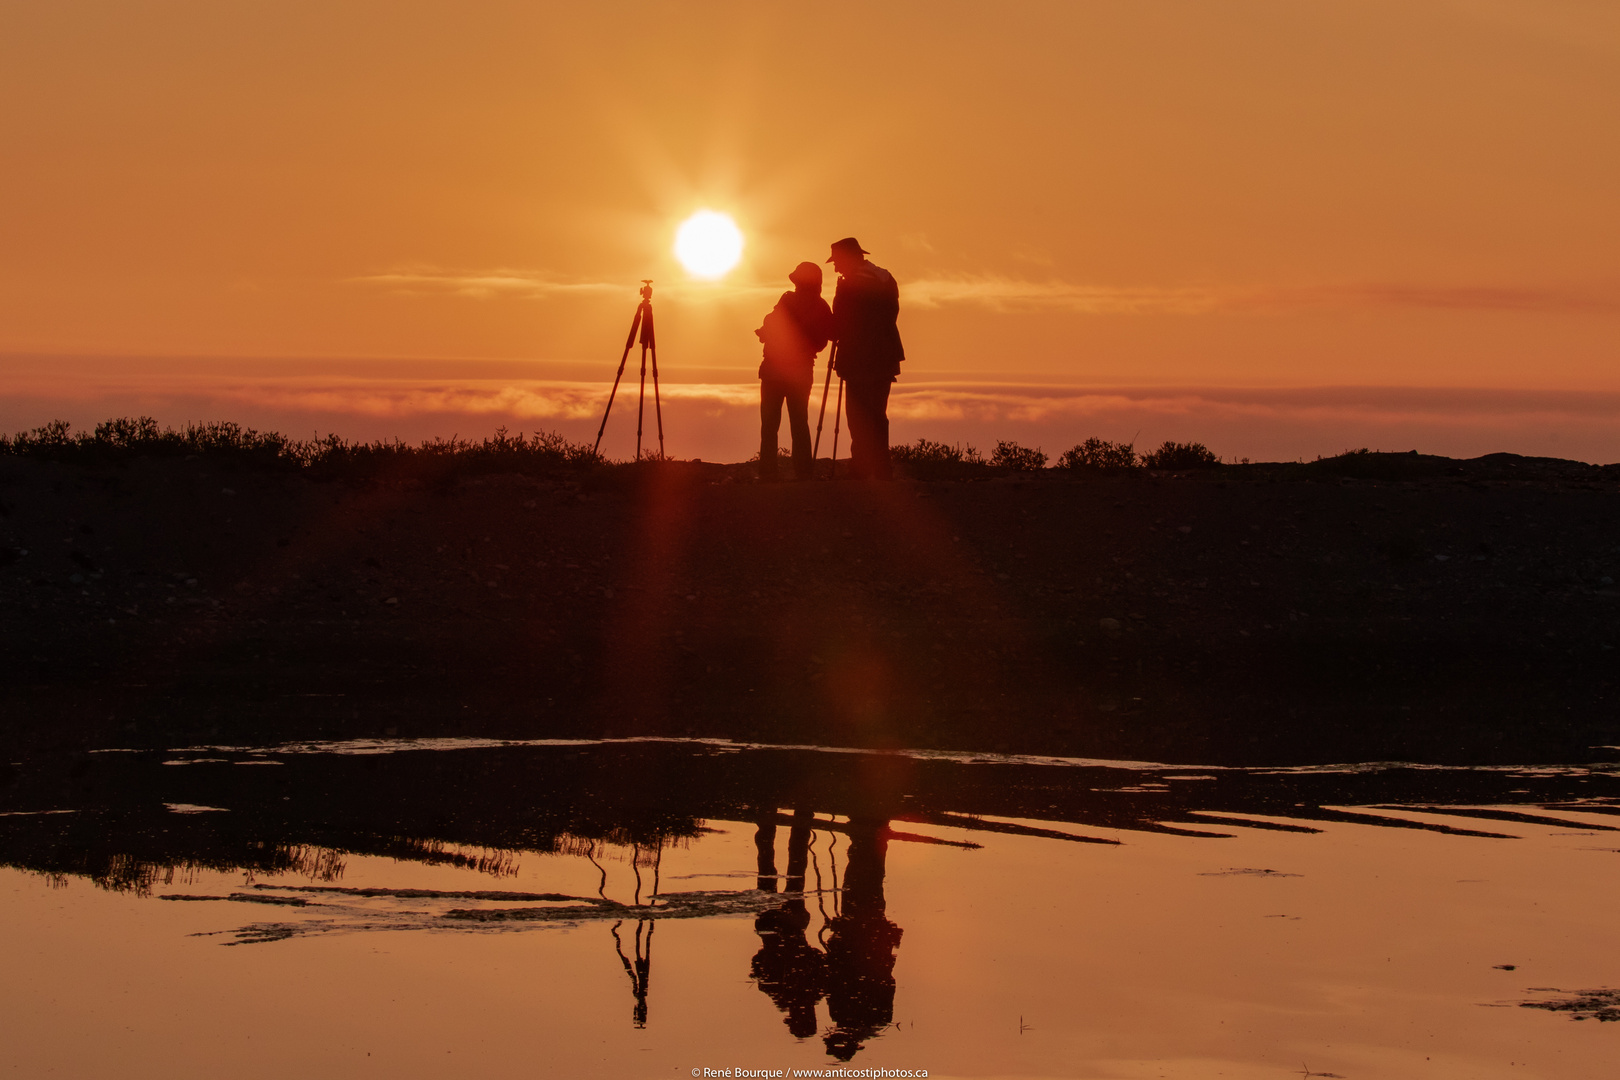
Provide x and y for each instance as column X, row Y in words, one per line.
column 708, row 244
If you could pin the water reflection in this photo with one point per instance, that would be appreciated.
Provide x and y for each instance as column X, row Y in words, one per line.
column 787, row 968
column 854, row 969
column 822, row 825
column 640, row 971
column 860, row 946
column 134, row 821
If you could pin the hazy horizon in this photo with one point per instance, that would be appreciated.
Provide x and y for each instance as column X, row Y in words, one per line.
column 708, row 415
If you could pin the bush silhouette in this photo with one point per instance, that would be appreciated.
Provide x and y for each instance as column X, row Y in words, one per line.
column 331, row 457
column 928, row 460
column 1099, row 455
column 1174, row 455
column 1009, row 455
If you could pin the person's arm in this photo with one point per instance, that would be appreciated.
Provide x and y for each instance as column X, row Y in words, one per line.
column 773, row 318
column 890, row 293
column 821, row 330
column 838, row 325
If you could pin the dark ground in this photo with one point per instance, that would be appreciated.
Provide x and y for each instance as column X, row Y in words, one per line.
column 1418, row 609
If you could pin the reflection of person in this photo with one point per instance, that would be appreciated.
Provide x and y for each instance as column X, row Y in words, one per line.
column 865, row 307
column 856, row 973
column 860, row 951
column 795, row 330
column 765, row 852
column 787, row 967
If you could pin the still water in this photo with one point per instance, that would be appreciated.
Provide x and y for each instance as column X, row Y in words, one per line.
column 452, row 909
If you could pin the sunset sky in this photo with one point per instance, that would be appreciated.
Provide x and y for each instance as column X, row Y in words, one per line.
column 1283, row 228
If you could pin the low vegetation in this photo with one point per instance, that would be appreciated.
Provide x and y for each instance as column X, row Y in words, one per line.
column 1099, row 455
column 1174, row 455
column 126, row 438
column 929, row 460
column 539, row 453
column 1009, row 455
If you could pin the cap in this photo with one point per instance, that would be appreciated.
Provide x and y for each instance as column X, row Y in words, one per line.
column 848, row 246
column 806, row 273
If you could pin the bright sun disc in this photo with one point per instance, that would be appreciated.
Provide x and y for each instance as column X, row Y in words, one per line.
column 708, row 244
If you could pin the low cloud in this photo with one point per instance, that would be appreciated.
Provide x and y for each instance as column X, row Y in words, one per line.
column 1374, row 405
column 1457, row 298
column 525, row 400
column 539, row 285
column 483, row 284
column 1013, row 294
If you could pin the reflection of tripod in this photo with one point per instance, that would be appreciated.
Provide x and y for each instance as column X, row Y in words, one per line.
column 649, row 344
column 641, row 971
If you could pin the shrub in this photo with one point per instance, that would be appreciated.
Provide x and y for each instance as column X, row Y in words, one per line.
column 1099, row 455
column 926, row 459
column 331, row 457
column 1174, row 455
column 1009, row 455
column 784, row 456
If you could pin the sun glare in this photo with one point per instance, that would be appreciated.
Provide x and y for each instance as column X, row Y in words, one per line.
column 708, row 244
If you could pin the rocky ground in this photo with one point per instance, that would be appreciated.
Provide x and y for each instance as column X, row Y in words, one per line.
column 1374, row 607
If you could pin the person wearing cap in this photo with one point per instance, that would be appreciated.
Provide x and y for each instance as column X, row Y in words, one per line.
column 795, row 330
column 865, row 307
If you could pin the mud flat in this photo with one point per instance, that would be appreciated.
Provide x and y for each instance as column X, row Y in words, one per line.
column 1373, row 607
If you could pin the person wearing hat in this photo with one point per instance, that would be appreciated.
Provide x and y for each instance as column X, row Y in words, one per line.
column 865, row 307
column 795, row 330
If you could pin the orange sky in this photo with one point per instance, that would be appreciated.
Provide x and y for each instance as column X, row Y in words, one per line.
column 1251, row 194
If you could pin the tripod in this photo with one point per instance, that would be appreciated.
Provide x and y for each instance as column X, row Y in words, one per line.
column 642, row 322
column 832, row 362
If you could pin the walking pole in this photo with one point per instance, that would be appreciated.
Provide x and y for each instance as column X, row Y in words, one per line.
column 832, row 359
column 635, row 324
column 837, row 412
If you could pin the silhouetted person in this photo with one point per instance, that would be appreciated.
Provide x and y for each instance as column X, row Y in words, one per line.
column 865, row 307
column 795, row 330
column 860, row 951
column 790, row 970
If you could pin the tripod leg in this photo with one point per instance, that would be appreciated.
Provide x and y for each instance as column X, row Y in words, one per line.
column 837, row 412
column 822, row 415
column 635, row 324
column 658, row 408
column 641, row 402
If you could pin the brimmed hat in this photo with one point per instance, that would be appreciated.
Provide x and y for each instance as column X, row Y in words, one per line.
column 848, row 246
column 806, row 273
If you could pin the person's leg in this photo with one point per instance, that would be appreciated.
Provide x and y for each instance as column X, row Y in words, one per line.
column 858, row 410
column 852, row 423
column 879, row 419
column 770, row 421
column 798, row 407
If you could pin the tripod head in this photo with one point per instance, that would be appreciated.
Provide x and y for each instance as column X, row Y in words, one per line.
column 646, row 288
